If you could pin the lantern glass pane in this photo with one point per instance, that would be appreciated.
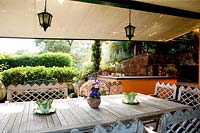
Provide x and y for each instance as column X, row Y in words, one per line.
column 132, row 30
column 46, row 18
column 50, row 19
column 40, row 16
column 127, row 30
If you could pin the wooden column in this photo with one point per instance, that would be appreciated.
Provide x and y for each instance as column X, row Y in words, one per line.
column 199, row 61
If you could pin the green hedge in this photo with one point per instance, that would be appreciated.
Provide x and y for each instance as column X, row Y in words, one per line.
column 20, row 75
column 46, row 59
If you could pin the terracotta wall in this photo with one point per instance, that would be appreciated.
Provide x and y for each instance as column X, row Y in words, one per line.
column 140, row 85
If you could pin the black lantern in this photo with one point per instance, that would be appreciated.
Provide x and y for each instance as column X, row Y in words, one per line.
column 129, row 29
column 45, row 18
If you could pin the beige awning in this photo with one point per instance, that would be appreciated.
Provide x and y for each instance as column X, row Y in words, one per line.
column 78, row 20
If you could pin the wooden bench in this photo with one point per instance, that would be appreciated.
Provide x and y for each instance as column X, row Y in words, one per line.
column 34, row 92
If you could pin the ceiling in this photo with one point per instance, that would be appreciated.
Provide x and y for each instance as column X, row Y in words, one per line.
column 79, row 20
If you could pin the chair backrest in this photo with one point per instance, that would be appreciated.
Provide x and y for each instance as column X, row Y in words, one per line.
column 189, row 96
column 180, row 122
column 165, row 91
column 27, row 92
column 135, row 126
column 115, row 87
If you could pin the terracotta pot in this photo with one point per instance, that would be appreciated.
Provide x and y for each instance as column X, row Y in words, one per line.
column 93, row 102
column 105, row 72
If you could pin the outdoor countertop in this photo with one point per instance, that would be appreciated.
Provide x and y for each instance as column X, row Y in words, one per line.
column 137, row 77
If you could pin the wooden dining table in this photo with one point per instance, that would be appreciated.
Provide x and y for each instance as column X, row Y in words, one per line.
column 76, row 113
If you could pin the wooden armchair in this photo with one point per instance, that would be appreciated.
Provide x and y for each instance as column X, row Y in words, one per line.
column 180, row 122
column 135, row 126
column 189, row 96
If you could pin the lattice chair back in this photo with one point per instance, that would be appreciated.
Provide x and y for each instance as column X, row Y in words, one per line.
column 27, row 92
column 115, row 87
column 189, row 96
column 165, row 91
column 135, row 126
column 180, row 122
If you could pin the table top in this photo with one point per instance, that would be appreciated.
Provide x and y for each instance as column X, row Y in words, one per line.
column 76, row 113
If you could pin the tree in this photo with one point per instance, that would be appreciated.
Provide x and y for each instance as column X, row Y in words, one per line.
column 96, row 55
column 80, row 50
column 120, row 49
column 22, row 52
column 54, row 45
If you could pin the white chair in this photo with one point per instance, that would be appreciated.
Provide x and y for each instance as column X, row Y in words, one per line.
column 116, row 87
column 165, row 91
column 180, row 122
column 135, row 126
column 189, row 96
column 183, row 122
column 162, row 91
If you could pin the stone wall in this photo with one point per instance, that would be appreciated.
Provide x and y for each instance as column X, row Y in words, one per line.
column 187, row 59
column 137, row 66
column 147, row 64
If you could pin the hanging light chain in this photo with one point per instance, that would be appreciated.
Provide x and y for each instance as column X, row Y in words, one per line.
column 129, row 16
column 45, row 6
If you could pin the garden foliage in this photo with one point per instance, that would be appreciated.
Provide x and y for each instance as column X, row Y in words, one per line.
column 46, row 59
column 20, row 75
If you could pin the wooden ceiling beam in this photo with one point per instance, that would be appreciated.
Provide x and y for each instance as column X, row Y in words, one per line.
column 142, row 6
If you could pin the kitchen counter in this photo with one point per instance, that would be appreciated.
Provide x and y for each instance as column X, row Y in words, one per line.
column 140, row 84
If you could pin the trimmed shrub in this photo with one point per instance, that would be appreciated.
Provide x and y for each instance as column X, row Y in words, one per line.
column 20, row 75
column 55, row 59
column 46, row 59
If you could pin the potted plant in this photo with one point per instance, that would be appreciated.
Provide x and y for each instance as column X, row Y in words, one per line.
column 170, row 70
column 105, row 70
column 90, row 90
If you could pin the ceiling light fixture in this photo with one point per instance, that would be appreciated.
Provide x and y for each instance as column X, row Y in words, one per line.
column 129, row 29
column 45, row 18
